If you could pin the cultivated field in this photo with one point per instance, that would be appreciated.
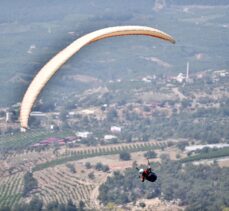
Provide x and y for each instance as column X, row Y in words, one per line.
column 58, row 184
column 10, row 189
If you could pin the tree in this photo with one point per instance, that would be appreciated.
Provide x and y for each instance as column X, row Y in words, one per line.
column 91, row 176
column 2, row 113
column 145, row 137
column 99, row 166
column 111, row 115
column 35, row 204
column 52, row 206
column 150, row 154
column 81, row 205
column 34, row 121
column 129, row 138
column 71, row 167
column 142, row 204
column 70, row 206
column 178, row 156
column 182, row 145
column 124, row 156
column 105, row 168
column 186, row 103
column 88, row 165
column 30, row 183
column 63, row 115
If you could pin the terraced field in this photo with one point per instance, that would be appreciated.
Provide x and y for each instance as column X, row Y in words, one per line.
column 10, row 190
column 22, row 162
column 77, row 154
column 55, row 181
column 56, row 184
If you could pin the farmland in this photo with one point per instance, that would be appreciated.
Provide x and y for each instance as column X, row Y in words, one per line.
column 58, row 184
column 210, row 154
column 10, row 190
column 55, row 181
column 22, row 141
column 72, row 155
column 142, row 87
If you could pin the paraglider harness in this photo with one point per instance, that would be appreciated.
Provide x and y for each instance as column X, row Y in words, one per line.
column 147, row 174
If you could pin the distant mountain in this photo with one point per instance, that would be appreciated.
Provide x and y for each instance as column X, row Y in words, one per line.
column 25, row 10
column 34, row 31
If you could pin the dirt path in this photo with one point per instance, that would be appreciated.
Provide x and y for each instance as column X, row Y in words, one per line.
column 178, row 93
column 95, row 203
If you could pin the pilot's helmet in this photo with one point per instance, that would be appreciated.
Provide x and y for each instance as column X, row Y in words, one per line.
column 141, row 171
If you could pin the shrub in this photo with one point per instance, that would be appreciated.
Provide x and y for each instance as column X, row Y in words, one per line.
column 124, row 156
column 91, row 175
column 150, row 154
column 88, row 165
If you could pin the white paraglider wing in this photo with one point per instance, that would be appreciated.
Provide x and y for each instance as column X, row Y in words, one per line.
column 51, row 67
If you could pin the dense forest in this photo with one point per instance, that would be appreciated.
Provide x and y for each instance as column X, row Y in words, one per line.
column 197, row 187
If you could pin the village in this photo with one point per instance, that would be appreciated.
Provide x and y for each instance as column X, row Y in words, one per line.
column 115, row 120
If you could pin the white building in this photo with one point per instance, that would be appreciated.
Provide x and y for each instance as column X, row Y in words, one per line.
column 147, row 80
column 180, row 78
column 115, row 129
column 38, row 114
column 109, row 137
column 85, row 134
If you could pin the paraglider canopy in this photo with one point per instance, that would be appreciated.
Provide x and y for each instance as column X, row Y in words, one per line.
column 51, row 67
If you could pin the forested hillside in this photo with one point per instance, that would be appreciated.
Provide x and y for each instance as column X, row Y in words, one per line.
column 32, row 32
column 197, row 187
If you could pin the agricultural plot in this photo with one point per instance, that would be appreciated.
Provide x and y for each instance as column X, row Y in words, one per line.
column 22, row 141
column 57, row 184
column 212, row 154
column 21, row 162
column 73, row 155
column 10, row 190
